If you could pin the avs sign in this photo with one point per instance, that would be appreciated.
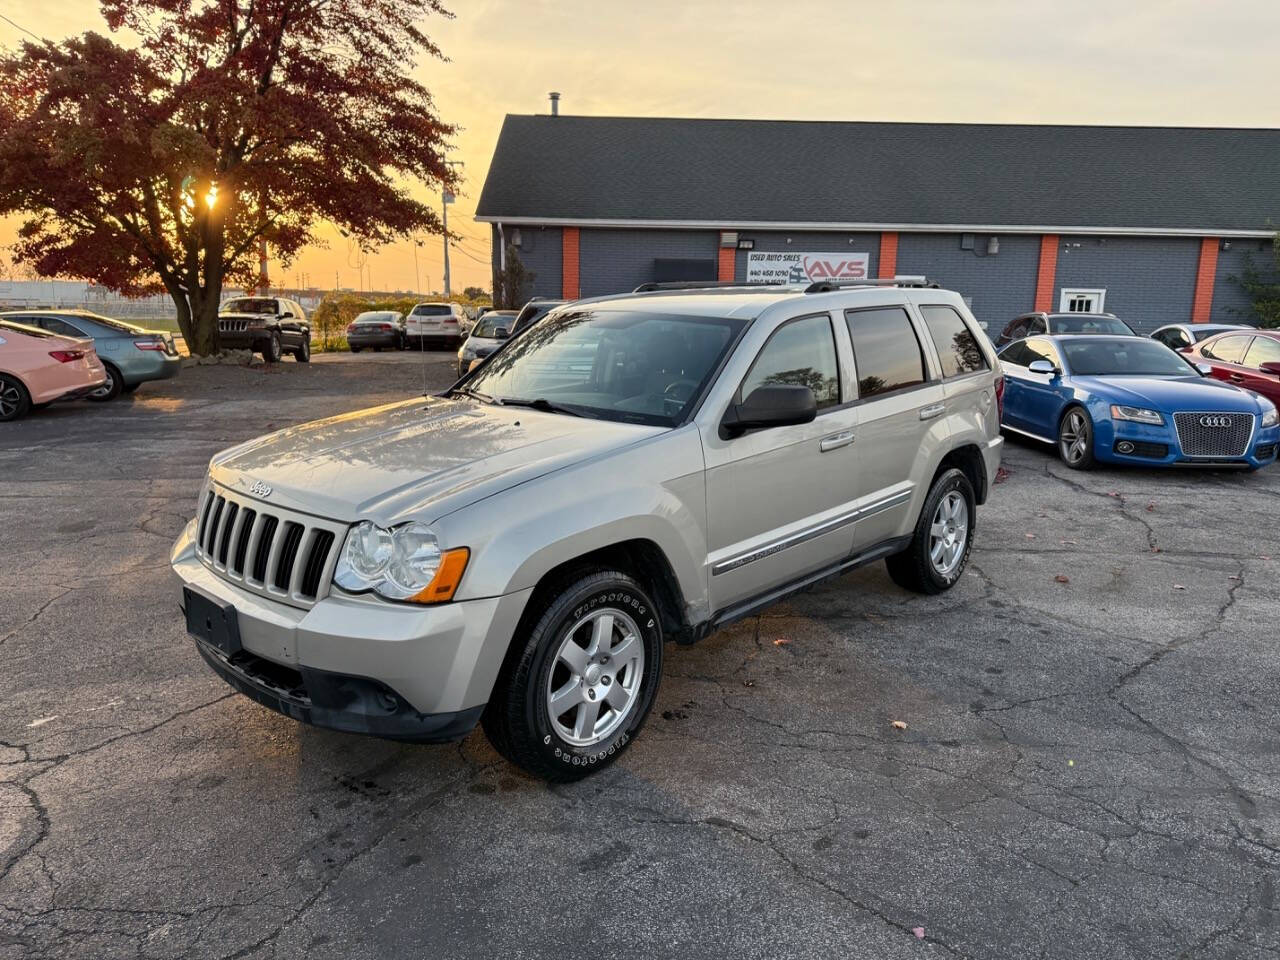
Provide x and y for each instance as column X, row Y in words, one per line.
column 788, row 267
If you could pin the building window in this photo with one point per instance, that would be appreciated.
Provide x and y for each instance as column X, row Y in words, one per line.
column 1082, row 300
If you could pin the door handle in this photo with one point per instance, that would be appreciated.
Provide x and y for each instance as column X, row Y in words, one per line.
column 1236, row 378
column 928, row 413
column 836, row 441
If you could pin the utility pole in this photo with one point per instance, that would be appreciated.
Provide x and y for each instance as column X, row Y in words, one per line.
column 447, row 198
column 417, row 277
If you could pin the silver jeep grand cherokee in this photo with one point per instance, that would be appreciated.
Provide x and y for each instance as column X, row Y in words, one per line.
column 634, row 469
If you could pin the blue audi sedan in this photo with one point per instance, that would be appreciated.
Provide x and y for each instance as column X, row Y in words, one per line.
column 1131, row 400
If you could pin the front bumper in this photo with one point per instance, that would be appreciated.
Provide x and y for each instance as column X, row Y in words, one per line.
column 359, row 664
column 243, row 339
column 1158, row 446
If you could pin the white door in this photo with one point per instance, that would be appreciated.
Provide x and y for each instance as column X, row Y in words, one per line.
column 1082, row 300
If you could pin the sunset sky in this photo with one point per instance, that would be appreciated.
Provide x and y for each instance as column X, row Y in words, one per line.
column 1170, row 62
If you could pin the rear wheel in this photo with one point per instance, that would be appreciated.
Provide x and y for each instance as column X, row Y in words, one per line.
column 1075, row 439
column 112, row 388
column 943, row 538
column 578, row 685
column 15, row 402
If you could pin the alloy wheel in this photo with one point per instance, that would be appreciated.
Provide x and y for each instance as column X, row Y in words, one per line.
column 106, row 389
column 949, row 533
column 1073, row 438
column 10, row 398
column 595, row 679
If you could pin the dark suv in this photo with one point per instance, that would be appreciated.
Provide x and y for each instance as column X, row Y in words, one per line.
column 271, row 326
column 1060, row 324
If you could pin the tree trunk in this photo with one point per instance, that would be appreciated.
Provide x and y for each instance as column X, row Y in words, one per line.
column 204, row 322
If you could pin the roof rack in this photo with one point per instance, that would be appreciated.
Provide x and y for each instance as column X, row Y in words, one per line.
column 830, row 286
column 653, row 286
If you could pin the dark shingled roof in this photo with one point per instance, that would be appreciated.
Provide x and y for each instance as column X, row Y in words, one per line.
column 740, row 172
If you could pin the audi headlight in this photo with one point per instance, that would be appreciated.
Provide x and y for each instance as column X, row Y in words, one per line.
column 402, row 563
column 1269, row 416
column 1136, row 414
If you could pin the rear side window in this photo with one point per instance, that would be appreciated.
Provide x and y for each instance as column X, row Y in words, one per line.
column 1016, row 330
column 1262, row 350
column 885, row 350
column 1173, row 337
column 1228, row 349
column 958, row 348
column 800, row 352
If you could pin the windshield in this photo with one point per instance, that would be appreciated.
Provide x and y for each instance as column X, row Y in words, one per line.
column 1134, row 357
column 432, row 310
column 259, row 305
column 495, row 328
column 1088, row 323
column 623, row 365
column 376, row 316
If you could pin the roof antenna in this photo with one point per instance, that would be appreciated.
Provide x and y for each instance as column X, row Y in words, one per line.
column 555, row 103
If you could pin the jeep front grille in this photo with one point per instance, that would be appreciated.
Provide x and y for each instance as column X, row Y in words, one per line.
column 281, row 554
column 1208, row 434
column 233, row 326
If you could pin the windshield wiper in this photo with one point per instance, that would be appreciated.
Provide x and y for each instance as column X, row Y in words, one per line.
column 469, row 392
column 538, row 403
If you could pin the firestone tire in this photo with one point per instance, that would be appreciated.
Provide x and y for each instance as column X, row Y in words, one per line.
column 935, row 560
column 616, row 631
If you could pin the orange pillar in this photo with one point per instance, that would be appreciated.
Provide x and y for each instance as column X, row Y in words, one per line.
column 1202, row 301
column 569, row 264
column 727, row 265
column 888, row 255
column 1047, row 273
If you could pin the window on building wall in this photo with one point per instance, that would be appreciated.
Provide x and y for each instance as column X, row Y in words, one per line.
column 1082, row 300
column 886, row 351
column 958, row 348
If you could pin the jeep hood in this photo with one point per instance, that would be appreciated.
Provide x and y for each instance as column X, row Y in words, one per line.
column 419, row 458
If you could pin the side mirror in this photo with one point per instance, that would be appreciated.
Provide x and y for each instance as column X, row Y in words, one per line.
column 1271, row 367
column 776, row 405
column 1042, row 366
column 1205, row 369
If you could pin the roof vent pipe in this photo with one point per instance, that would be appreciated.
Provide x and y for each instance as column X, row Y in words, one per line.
column 555, row 103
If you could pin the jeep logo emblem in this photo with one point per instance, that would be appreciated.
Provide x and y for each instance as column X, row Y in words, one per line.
column 1211, row 421
column 260, row 489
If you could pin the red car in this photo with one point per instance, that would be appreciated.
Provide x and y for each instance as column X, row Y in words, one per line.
column 1247, row 358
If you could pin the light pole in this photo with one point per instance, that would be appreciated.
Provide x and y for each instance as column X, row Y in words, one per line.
column 417, row 277
column 446, row 196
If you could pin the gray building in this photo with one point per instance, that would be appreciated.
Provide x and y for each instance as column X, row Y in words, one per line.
column 1149, row 223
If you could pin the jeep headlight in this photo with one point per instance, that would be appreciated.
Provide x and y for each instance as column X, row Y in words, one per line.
column 401, row 563
column 1136, row 414
column 1269, row 416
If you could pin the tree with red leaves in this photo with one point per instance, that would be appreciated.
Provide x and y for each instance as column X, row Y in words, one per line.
column 163, row 166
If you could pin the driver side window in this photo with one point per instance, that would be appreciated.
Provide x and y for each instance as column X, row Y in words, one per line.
column 800, row 352
column 1042, row 350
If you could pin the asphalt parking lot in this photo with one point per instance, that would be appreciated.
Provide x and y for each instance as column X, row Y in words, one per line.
column 1089, row 768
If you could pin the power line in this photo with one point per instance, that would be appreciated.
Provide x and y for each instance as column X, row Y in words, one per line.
column 19, row 26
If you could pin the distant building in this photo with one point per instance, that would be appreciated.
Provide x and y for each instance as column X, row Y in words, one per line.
column 1144, row 222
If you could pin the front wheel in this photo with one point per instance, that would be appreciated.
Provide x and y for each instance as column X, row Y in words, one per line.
column 303, row 353
column 1075, row 439
column 578, row 685
column 943, row 538
column 271, row 352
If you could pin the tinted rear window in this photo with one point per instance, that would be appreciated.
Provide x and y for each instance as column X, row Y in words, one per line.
column 886, row 352
column 432, row 310
column 958, row 348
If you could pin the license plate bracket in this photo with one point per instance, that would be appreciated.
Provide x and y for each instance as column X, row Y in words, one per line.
column 217, row 624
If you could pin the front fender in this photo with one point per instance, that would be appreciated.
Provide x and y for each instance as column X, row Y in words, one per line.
column 519, row 535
